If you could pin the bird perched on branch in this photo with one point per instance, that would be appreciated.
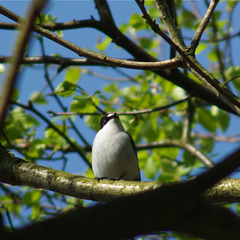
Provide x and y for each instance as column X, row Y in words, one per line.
column 114, row 153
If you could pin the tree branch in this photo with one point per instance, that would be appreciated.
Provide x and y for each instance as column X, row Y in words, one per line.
column 16, row 171
column 168, row 64
column 133, row 113
column 193, row 65
column 180, row 144
column 202, row 26
column 18, row 54
column 63, row 62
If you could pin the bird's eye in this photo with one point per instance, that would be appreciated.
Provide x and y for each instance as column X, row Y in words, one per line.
column 106, row 118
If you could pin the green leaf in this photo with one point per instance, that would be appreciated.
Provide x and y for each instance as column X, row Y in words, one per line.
column 222, row 117
column 206, row 145
column 207, row 120
column 201, row 47
column 212, row 56
column 150, row 128
column 38, row 98
column 177, row 94
column 31, row 120
column 30, row 197
column 45, row 18
column 81, row 98
column 66, row 89
column 86, row 97
column 153, row 12
column 104, row 44
column 37, row 148
column 233, row 74
column 93, row 122
column 231, row 4
column 35, row 212
column 223, row 120
column 19, row 123
column 73, row 75
column 151, row 168
column 13, row 132
column 137, row 22
column 53, row 137
column 187, row 18
column 78, row 105
column 144, row 86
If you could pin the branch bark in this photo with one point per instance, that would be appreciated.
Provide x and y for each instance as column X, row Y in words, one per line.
column 16, row 171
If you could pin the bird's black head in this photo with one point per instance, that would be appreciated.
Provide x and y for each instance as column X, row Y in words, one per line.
column 107, row 117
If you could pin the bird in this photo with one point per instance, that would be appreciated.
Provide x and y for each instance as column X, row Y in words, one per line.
column 114, row 154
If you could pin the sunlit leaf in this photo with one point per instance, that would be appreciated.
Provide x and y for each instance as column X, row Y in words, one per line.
column 137, row 22
column 38, row 98
column 66, row 89
column 104, row 44
column 151, row 168
column 73, row 75
column 207, row 120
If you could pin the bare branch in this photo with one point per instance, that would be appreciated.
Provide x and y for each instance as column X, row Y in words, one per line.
column 168, row 64
column 63, row 62
column 202, row 26
column 234, row 138
column 144, row 111
column 180, row 144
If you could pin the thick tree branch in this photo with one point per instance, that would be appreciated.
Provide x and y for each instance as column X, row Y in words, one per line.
column 16, row 171
column 165, row 209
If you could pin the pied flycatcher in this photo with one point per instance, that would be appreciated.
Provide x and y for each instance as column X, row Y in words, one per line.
column 114, row 153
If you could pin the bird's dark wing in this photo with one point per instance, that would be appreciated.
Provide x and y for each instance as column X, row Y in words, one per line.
column 133, row 144
column 135, row 149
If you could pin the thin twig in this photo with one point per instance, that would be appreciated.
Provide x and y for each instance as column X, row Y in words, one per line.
column 167, row 64
column 180, row 144
column 154, row 26
column 202, row 26
column 144, row 111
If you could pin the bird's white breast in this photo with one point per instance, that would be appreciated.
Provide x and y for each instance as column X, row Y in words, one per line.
column 113, row 155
